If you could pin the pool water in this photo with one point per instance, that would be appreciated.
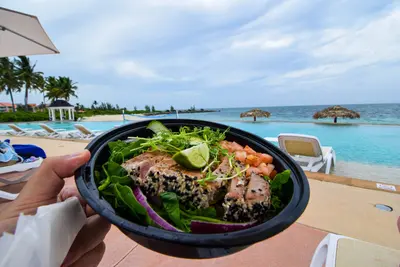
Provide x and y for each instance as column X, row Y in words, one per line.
column 367, row 144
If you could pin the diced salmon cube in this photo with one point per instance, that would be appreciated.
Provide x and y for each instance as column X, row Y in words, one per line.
column 265, row 158
column 240, row 156
column 236, row 147
column 251, row 170
column 249, row 150
column 253, row 160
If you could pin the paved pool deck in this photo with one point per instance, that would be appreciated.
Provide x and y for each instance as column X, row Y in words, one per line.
column 336, row 205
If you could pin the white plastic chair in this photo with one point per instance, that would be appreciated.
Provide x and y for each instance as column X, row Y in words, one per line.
column 325, row 254
column 51, row 132
column 17, row 131
column 85, row 133
column 307, row 151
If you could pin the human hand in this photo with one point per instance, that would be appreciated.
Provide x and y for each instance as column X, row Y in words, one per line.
column 44, row 188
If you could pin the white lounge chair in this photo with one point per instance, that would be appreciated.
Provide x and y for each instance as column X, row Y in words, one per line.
column 17, row 131
column 307, row 151
column 85, row 133
column 18, row 167
column 335, row 250
column 56, row 133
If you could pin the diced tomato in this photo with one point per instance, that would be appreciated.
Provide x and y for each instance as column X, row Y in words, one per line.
column 240, row 156
column 273, row 174
column 253, row 160
column 249, row 150
column 265, row 158
column 251, row 170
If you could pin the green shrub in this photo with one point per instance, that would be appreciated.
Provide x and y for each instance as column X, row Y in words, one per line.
column 21, row 116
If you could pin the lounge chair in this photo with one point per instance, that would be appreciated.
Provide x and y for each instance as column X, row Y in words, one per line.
column 85, row 133
column 335, row 250
column 17, row 131
column 56, row 133
column 307, row 151
column 18, row 167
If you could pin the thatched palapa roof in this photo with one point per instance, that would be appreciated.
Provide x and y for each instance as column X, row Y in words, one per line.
column 336, row 112
column 255, row 113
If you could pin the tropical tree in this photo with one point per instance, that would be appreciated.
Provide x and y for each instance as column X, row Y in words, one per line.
column 94, row 104
column 41, row 85
column 172, row 109
column 61, row 87
column 67, row 87
column 153, row 109
column 147, row 108
column 52, row 88
column 135, row 108
column 9, row 81
column 27, row 74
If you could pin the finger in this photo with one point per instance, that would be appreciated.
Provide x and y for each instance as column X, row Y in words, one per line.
column 72, row 191
column 90, row 236
column 48, row 179
column 91, row 258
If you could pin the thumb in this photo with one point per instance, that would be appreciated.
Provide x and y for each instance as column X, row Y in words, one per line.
column 47, row 181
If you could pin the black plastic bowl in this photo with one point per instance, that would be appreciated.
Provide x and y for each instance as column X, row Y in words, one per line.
column 188, row 245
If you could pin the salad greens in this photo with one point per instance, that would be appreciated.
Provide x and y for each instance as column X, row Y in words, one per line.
column 115, row 185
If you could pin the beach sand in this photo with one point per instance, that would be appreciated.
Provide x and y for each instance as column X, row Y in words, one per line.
column 351, row 213
column 113, row 118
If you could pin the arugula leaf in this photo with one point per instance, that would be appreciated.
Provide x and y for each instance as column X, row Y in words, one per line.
column 171, row 205
column 279, row 180
column 276, row 202
column 115, row 169
column 125, row 195
column 276, row 188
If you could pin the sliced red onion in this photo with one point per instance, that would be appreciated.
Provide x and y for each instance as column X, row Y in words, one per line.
column 201, row 227
column 141, row 198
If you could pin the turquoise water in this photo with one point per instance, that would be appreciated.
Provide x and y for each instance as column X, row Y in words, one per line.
column 372, row 140
column 368, row 144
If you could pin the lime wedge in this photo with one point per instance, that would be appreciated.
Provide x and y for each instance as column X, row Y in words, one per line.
column 194, row 141
column 193, row 158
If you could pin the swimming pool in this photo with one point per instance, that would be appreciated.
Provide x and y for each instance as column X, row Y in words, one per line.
column 368, row 144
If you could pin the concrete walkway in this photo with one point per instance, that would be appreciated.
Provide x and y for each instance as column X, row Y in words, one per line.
column 333, row 207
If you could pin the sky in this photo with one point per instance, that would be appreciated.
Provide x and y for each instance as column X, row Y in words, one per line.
column 222, row 53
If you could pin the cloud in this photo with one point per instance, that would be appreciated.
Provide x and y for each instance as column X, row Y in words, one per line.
column 130, row 68
column 263, row 43
column 220, row 53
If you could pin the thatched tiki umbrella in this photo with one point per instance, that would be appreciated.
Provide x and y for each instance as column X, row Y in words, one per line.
column 255, row 113
column 335, row 112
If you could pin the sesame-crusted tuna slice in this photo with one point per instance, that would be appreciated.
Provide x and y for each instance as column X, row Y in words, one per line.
column 258, row 197
column 213, row 187
column 234, row 203
column 138, row 167
column 161, row 177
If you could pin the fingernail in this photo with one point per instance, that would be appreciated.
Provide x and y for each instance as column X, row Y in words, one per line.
column 74, row 155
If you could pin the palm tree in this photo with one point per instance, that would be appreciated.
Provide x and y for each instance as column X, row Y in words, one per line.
column 68, row 88
column 41, row 83
column 9, row 80
column 28, row 75
column 52, row 88
column 61, row 87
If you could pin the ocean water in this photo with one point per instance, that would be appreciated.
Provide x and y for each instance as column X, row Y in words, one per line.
column 370, row 114
column 368, row 148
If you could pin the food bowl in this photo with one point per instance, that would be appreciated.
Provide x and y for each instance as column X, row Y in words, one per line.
column 187, row 245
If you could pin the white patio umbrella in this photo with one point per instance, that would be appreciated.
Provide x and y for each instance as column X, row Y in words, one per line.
column 22, row 35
